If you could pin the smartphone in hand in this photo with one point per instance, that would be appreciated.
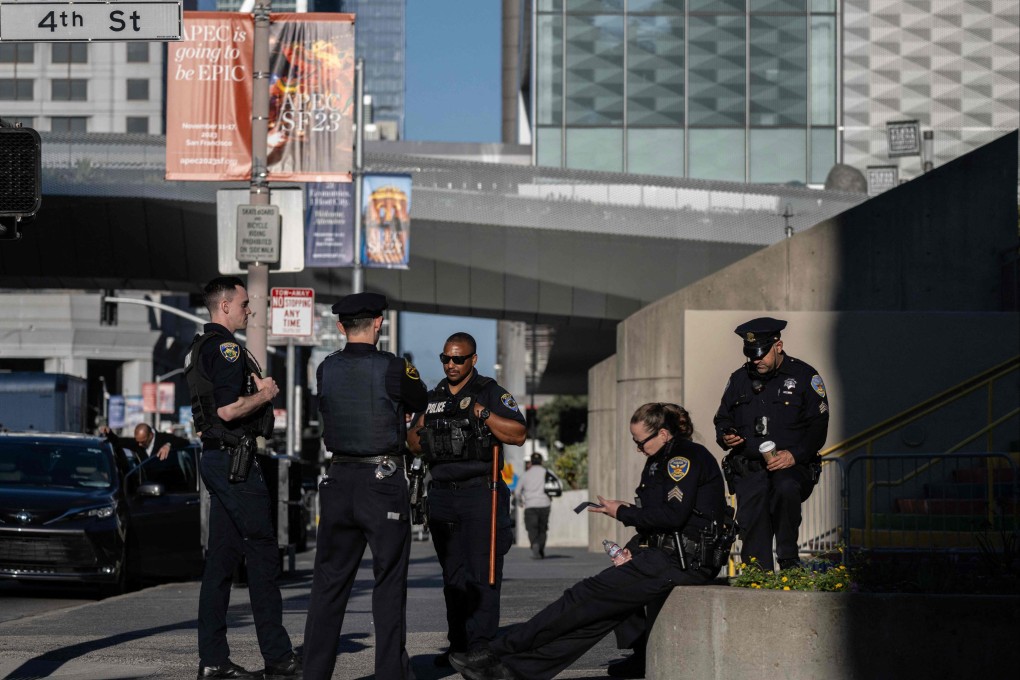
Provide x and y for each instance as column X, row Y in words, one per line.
column 584, row 506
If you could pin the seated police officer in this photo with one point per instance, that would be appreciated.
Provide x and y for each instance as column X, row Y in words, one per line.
column 363, row 396
column 780, row 402
column 683, row 539
column 232, row 405
column 467, row 420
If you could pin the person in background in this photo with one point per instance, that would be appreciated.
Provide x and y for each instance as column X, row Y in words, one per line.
column 537, row 505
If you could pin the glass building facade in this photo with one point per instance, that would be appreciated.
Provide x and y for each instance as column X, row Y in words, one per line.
column 733, row 90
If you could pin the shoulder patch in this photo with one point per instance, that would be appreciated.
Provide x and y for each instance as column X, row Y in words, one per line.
column 411, row 371
column 230, row 351
column 678, row 468
column 818, row 385
column 508, row 401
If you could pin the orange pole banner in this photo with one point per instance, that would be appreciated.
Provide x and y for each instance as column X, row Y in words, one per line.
column 209, row 91
column 311, row 98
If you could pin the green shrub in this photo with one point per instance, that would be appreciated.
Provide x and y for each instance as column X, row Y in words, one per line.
column 818, row 575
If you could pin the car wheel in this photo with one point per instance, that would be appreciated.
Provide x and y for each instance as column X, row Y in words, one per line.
column 120, row 586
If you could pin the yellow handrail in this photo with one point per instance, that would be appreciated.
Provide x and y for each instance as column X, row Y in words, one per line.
column 924, row 408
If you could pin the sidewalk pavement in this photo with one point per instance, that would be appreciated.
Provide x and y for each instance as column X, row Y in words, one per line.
column 152, row 633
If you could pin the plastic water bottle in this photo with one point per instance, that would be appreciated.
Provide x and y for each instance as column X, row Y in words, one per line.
column 612, row 548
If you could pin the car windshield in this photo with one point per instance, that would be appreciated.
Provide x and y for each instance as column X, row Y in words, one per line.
column 61, row 464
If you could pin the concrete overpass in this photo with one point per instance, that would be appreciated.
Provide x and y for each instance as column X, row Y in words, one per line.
column 491, row 236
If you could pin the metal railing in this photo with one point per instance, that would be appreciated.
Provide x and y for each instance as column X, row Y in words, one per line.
column 929, row 503
column 825, row 523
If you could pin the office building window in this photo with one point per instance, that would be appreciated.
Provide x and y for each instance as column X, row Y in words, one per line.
column 17, row 53
column 656, row 151
column 16, row 89
column 595, row 149
column 823, row 153
column 138, row 52
column 778, row 61
column 137, row 89
column 68, row 124
column 795, row 6
column 717, row 154
column 24, row 121
column 716, row 54
column 595, row 47
column 655, row 70
column 70, row 53
column 550, row 70
column 138, row 124
column 777, row 156
column 717, row 6
column 69, row 89
column 549, row 151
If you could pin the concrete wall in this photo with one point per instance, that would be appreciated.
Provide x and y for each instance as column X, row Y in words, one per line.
column 893, row 301
column 566, row 529
column 602, row 424
column 718, row 632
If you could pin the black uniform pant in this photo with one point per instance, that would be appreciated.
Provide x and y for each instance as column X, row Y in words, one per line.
column 768, row 504
column 459, row 520
column 359, row 510
column 550, row 641
column 536, row 521
column 240, row 524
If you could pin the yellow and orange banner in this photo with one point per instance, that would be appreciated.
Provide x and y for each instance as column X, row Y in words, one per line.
column 311, row 98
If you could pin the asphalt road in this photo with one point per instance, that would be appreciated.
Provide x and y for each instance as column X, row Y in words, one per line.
column 67, row 634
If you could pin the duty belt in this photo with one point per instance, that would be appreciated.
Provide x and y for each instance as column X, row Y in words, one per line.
column 460, row 483
column 396, row 459
column 385, row 466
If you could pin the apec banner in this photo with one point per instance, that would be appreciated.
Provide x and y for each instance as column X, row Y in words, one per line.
column 386, row 221
column 329, row 224
column 311, row 98
column 208, row 113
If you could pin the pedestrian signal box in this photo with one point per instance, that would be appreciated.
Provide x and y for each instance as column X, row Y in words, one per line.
column 20, row 175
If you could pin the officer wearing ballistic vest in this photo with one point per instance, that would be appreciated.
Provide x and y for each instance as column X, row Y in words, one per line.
column 232, row 405
column 364, row 395
column 777, row 402
column 468, row 419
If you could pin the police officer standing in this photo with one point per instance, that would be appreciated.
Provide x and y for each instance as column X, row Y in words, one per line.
column 363, row 396
column 468, row 419
column 232, row 404
column 773, row 402
column 683, row 538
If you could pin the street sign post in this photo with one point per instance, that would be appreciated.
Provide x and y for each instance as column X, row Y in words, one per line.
column 158, row 21
column 292, row 312
column 258, row 233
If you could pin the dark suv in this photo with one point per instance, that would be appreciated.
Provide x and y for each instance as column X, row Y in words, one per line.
column 75, row 508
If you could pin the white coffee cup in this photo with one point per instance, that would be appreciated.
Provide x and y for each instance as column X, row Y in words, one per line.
column 767, row 449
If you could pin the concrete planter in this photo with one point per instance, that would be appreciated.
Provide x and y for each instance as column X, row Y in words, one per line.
column 722, row 632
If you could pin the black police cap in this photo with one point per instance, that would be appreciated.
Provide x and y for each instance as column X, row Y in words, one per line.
column 759, row 335
column 360, row 306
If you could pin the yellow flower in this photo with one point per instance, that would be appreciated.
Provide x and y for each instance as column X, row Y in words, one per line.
column 839, row 585
column 754, row 559
column 786, row 587
column 784, row 579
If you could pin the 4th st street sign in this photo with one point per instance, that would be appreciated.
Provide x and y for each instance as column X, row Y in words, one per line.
column 90, row 21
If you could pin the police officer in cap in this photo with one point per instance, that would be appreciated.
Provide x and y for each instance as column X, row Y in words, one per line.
column 773, row 402
column 363, row 396
column 468, row 419
column 232, row 405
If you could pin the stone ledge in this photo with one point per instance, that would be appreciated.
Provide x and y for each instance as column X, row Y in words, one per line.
column 722, row 632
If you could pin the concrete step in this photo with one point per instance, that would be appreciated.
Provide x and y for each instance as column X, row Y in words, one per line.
column 952, row 506
column 889, row 538
column 904, row 522
column 970, row 490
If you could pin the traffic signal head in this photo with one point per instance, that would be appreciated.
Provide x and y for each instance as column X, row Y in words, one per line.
column 20, row 175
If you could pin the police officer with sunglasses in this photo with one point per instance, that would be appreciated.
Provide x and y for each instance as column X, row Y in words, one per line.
column 465, row 424
column 773, row 420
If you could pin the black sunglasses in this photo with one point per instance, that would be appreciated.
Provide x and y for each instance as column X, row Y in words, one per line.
column 641, row 444
column 460, row 361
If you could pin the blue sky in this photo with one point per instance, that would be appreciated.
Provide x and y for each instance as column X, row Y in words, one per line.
column 453, row 71
column 423, row 335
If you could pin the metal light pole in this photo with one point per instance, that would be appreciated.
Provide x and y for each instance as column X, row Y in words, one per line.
column 358, row 275
column 258, row 272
